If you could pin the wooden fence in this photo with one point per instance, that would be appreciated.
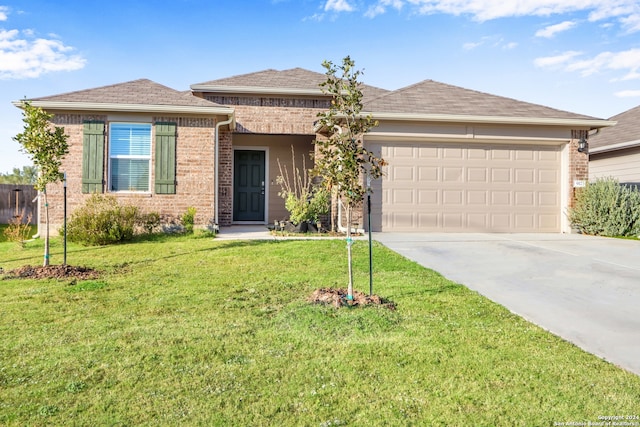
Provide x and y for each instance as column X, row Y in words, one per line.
column 16, row 198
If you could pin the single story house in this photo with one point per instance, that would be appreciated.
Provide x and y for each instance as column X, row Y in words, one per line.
column 459, row 160
column 615, row 152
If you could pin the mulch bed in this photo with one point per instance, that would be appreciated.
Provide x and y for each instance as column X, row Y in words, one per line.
column 338, row 298
column 52, row 272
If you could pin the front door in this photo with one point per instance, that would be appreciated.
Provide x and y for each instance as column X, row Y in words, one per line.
column 248, row 185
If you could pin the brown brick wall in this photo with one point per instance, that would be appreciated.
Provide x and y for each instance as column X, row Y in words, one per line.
column 578, row 162
column 262, row 116
column 195, row 166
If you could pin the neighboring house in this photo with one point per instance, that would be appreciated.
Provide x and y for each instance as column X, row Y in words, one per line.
column 459, row 160
column 615, row 152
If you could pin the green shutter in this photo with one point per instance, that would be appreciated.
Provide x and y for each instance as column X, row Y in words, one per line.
column 165, row 179
column 93, row 157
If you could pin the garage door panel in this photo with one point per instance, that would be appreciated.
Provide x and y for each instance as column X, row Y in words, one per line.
column 501, row 175
column 403, row 196
column 526, row 155
column 524, row 176
column 428, row 220
column 501, row 198
column 452, row 197
column 492, row 187
column 428, row 173
column 428, row 197
column 477, row 175
column 452, row 153
column 477, row 197
column 477, row 221
column 548, row 176
column 477, row 153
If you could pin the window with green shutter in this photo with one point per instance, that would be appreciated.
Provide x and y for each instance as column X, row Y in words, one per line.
column 93, row 157
column 165, row 176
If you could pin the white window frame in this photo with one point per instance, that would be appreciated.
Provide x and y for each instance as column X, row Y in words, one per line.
column 145, row 157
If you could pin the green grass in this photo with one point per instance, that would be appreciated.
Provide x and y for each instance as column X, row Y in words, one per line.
column 193, row 331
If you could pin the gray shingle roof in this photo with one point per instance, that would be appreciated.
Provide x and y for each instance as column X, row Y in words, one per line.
column 431, row 97
column 627, row 130
column 136, row 92
column 295, row 78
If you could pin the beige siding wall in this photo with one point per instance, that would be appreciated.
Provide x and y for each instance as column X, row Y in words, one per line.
column 195, row 163
column 623, row 165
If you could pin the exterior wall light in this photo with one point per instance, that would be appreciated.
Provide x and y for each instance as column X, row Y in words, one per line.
column 583, row 145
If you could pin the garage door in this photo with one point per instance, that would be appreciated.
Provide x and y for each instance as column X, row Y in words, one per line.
column 468, row 188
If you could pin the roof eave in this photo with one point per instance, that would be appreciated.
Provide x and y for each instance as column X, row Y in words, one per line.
column 256, row 90
column 456, row 118
column 615, row 147
column 129, row 108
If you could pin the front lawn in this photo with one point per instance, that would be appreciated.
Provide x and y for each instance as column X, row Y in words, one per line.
column 193, row 331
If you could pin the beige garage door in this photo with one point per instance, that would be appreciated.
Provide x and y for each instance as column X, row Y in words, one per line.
column 468, row 188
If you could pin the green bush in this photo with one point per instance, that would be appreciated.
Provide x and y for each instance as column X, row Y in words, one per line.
column 188, row 219
column 102, row 221
column 605, row 208
column 149, row 222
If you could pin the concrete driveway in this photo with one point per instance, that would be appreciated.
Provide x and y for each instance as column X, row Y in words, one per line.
column 585, row 289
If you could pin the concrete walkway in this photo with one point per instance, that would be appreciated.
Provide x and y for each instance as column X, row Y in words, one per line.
column 582, row 288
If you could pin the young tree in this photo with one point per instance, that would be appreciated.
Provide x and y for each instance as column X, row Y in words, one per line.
column 342, row 161
column 46, row 145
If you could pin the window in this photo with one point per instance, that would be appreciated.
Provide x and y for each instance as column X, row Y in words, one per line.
column 129, row 156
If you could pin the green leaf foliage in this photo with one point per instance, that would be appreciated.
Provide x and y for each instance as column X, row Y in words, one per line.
column 606, row 208
column 26, row 175
column 342, row 160
column 102, row 221
column 45, row 144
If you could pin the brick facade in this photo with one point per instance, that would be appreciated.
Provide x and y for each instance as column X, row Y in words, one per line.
column 194, row 169
column 261, row 116
column 578, row 162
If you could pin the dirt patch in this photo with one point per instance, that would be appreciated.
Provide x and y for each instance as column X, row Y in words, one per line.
column 52, row 272
column 338, row 298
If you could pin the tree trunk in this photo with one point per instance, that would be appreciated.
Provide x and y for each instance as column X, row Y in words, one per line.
column 46, row 233
column 349, row 244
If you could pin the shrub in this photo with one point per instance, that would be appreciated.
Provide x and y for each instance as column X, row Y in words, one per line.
column 149, row 222
column 606, row 208
column 188, row 219
column 18, row 230
column 303, row 199
column 102, row 221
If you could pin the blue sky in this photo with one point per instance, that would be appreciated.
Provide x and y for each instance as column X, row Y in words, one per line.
column 577, row 55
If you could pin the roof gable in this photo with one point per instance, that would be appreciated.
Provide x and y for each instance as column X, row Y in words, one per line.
column 430, row 97
column 627, row 129
column 295, row 81
column 136, row 92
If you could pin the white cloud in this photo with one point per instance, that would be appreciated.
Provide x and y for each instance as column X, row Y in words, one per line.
column 29, row 57
column 628, row 94
column 338, row 6
column 552, row 30
column 557, row 60
column 381, row 7
column 4, row 11
column 471, row 45
column 493, row 41
column 626, row 11
column 627, row 61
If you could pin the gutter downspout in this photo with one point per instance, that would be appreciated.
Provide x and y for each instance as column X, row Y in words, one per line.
column 216, row 173
column 37, row 235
